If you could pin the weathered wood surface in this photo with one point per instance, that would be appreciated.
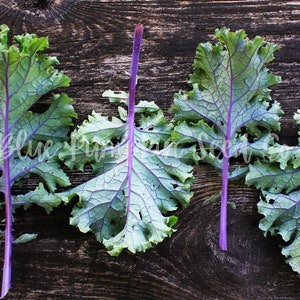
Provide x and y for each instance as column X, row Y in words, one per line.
column 92, row 40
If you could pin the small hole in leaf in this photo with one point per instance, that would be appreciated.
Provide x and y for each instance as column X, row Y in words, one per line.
column 155, row 147
column 114, row 141
column 218, row 154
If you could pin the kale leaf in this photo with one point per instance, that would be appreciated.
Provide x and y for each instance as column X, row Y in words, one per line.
column 229, row 111
column 30, row 141
column 278, row 178
column 140, row 173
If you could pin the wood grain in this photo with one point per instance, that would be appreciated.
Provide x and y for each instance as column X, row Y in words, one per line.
column 92, row 40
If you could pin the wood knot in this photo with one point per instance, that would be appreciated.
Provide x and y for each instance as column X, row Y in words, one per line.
column 40, row 3
column 34, row 4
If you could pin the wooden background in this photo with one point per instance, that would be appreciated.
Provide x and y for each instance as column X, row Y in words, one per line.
column 93, row 40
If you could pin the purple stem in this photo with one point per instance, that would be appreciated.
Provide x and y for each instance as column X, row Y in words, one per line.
column 138, row 33
column 225, row 175
column 6, row 274
column 223, row 216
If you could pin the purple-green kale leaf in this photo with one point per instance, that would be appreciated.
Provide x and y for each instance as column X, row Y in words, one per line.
column 229, row 111
column 30, row 141
column 278, row 178
column 140, row 174
column 282, row 216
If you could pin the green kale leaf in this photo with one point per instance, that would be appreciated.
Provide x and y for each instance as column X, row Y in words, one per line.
column 229, row 111
column 30, row 141
column 278, row 177
column 140, row 174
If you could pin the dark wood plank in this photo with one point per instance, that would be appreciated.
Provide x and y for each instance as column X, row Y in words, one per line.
column 92, row 40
